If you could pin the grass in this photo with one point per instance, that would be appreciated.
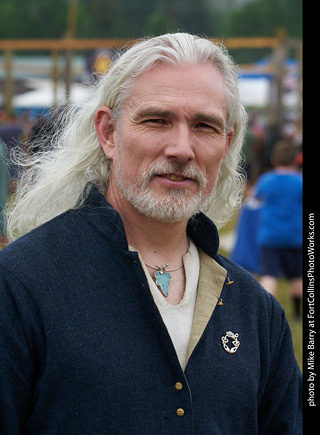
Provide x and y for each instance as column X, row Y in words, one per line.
column 284, row 298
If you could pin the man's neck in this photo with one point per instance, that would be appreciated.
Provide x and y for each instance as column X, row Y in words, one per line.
column 158, row 242
column 162, row 244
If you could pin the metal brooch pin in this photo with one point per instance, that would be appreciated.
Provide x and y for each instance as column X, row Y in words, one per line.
column 235, row 342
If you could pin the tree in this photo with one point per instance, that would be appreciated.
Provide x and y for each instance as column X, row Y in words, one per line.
column 133, row 19
column 32, row 19
column 158, row 23
column 101, row 19
column 265, row 17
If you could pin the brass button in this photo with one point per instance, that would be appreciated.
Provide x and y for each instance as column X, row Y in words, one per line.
column 178, row 386
column 180, row 412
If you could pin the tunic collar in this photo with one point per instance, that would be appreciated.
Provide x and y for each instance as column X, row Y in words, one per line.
column 100, row 214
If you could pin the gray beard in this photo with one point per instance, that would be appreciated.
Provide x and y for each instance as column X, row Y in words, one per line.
column 172, row 205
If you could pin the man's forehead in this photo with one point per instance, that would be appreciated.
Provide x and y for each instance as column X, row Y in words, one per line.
column 195, row 73
column 197, row 87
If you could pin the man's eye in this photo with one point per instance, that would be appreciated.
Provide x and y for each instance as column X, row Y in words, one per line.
column 204, row 126
column 155, row 121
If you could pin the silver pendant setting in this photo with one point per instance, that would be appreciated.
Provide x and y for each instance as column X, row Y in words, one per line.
column 235, row 342
column 163, row 277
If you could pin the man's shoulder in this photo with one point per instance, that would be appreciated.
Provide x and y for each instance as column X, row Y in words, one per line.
column 36, row 244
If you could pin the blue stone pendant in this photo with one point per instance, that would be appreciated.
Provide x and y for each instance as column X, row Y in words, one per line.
column 163, row 280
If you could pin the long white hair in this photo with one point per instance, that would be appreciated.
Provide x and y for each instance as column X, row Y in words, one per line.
column 71, row 158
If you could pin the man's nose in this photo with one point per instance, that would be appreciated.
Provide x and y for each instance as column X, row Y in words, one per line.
column 180, row 144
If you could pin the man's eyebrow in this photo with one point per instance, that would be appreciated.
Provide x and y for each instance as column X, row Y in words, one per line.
column 157, row 112
column 215, row 120
column 153, row 112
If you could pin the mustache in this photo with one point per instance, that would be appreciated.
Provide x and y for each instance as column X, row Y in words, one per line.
column 186, row 170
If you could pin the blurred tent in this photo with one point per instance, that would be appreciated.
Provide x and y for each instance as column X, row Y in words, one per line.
column 254, row 92
column 255, row 83
column 43, row 96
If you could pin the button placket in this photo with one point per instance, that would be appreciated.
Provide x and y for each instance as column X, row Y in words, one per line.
column 178, row 386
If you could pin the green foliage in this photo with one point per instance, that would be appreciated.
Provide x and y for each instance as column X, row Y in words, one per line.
column 284, row 297
column 32, row 19
column 158, row 24
column 101, row 19
column 127, row 18
column 265, row 17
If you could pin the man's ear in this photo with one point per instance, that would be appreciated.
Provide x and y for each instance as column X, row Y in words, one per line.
column 230, row 136
column 105, row 127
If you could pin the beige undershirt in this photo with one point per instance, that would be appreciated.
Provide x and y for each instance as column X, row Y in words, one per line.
column 179, row 318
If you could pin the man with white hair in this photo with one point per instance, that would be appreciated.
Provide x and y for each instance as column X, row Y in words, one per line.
column 118, row 316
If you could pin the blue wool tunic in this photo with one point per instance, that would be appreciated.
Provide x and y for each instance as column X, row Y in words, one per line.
column 84, row 350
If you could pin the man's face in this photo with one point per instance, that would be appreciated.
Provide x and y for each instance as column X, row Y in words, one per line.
column 170, row 141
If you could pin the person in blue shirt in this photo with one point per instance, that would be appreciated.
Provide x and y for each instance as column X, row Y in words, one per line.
column 280, row 227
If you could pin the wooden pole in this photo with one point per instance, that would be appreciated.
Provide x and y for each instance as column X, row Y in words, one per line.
column 276, row 87
column 71, row 33
column 55, row 77
column 87, row 44
column 9, row 84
